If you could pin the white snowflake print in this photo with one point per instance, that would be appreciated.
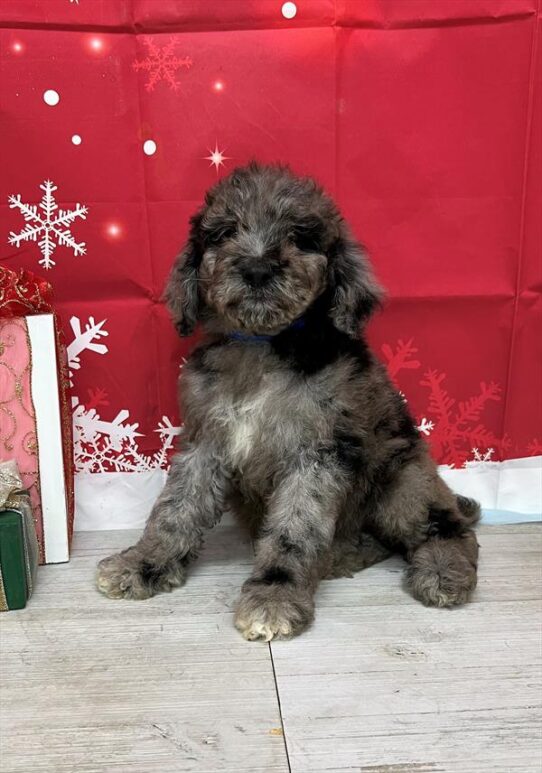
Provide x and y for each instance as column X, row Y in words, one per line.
column 161, row 64
column 88, row 425
column 85, row 340
column 168, row 432
column 51, row 224
column 111, row 446
column 479, row 457
column 102, row 445
column 425, row 426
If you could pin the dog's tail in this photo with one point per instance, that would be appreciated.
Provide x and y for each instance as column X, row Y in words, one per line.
column 470, row 510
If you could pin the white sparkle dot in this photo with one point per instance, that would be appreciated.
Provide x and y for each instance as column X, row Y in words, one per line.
column 76, row 139
column 113, row 229
column 149, row 147
column 289, row 10
column 51, row 97
column 96, row 44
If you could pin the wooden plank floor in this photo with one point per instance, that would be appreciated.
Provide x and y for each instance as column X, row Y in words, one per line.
column 379, row 684
column 90, row 685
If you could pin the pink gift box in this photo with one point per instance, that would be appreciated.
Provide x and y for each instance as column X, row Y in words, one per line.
column 31, row 426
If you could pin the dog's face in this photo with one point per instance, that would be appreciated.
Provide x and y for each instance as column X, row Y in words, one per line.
column 266, row 236
column 262, row 249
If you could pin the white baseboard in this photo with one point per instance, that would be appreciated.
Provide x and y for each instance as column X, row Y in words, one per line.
column 514, row 485
column 115, row 500
column 120, row 500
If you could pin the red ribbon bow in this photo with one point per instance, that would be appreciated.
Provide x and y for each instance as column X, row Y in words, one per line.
column 23, row 293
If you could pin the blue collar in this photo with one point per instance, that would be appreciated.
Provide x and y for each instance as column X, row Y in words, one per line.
column 246, row 338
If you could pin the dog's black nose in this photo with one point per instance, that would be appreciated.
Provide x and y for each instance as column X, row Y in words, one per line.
column 257, row 275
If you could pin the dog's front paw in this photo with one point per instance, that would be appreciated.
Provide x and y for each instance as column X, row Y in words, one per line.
column 127, row 575
column 266, row 612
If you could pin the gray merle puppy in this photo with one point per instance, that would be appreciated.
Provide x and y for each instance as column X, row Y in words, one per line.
column 290, row 422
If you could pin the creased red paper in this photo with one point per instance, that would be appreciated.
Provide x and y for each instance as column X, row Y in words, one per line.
column 422, row 118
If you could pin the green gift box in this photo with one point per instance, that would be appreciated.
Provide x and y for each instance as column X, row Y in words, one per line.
column 18, row 541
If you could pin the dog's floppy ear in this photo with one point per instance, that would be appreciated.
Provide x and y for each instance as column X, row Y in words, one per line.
column 355, row 293
column 181, row 294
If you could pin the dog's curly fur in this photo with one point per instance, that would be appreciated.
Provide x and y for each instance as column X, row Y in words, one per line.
column 293, row 425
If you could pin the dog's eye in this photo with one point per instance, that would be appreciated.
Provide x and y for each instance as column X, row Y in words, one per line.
column 227, row 232
column 305, row 240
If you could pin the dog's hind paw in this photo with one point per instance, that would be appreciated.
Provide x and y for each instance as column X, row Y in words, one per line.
column 443, row 573
column 128, row 576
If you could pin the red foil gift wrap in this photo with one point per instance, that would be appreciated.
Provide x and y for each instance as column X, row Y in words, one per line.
column 22, row 293
column 34, row 393
column 422, row 118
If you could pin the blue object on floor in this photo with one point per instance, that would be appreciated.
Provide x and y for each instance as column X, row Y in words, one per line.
column 508, row 516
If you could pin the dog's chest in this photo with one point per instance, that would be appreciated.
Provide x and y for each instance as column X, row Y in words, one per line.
column 251, row 425
column 258, row 414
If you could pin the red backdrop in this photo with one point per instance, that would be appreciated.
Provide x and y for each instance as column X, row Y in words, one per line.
column 422, row 118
